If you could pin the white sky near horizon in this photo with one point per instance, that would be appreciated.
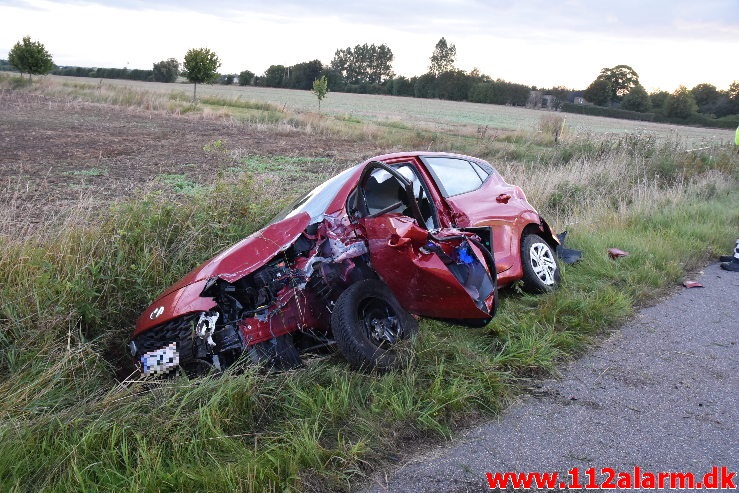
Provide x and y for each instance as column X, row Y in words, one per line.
column 535, row 42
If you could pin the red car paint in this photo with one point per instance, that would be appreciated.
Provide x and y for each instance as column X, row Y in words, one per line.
column 418, row 278
column 283, row 279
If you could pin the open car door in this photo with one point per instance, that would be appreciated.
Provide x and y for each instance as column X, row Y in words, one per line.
column 444, row 274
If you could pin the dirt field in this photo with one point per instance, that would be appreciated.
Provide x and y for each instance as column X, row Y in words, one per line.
column 431, row 114
column 54, row 152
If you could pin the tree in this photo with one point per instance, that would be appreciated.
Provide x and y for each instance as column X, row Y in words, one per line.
column 637, row 100
column 658, row 99
column 302, row 75
column 561, row 95
column 30, row 57
column 166, row 70
column 335, row 80
column 400, row 86
column 454, row 85
column 442, row 59
column 227, row 79
column 201, row 66
column 320, row 89
column 598, row 92
column 707, row 97
column 275, row 76
column 622, row 78
column 729, row 103
column 246, row 77
column 425, row 86
column 680, row 104
column 364, row 64
column 734, row 90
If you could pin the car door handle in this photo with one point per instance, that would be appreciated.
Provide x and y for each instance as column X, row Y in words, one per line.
column 503, row 198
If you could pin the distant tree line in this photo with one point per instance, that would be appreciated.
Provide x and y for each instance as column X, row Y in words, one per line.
column 106, row 73
column 617, row 92
column 367, row 68
column 5, row 66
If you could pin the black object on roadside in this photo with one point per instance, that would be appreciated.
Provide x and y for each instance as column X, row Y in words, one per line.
column 567, row 255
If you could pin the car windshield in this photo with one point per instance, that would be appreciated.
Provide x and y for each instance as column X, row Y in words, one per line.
column 318, row 199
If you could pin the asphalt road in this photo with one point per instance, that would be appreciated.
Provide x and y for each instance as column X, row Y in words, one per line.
column 661, row 393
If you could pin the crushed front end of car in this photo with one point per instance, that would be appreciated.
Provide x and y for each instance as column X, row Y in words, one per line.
column 253, row 297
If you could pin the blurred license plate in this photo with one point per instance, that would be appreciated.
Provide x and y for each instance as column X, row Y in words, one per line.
column 160, row 361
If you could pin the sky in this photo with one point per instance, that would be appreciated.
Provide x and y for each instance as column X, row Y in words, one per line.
column 543, row 43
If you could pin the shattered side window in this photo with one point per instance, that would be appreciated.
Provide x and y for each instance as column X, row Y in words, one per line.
column 318, row 199
column 383, row 191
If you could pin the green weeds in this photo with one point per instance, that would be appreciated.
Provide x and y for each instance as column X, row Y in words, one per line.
column 88, row 172
column 181, row 184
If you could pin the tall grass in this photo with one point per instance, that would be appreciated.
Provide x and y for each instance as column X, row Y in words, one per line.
column 74, row 418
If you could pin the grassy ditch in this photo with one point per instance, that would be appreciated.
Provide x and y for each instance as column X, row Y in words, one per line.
column 68, row 425
column 71, row 421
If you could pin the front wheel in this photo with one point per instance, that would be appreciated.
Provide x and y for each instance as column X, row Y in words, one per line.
column 540, row 269
column 369, row 326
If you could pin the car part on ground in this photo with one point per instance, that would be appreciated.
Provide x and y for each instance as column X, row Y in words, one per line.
column 615, row 253
column 428, row 234
column 568, row 256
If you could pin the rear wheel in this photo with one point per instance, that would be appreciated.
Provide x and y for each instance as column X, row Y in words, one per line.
column 369, row 326
column 540, row 269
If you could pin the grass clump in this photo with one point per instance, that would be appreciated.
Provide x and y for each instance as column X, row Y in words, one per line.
column 551, row 125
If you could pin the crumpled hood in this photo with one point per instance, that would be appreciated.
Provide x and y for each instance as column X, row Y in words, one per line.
column 232, row 264
column 249, row 254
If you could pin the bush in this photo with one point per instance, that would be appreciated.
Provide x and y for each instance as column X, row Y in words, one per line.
column 500, row 92
column 166, row 71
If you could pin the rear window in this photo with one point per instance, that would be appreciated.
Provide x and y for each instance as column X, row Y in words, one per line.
column 455, row 176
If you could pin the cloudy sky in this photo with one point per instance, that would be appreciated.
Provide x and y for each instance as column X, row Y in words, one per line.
column 535, row 42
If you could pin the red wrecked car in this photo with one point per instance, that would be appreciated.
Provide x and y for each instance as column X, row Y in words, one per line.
column 349, row 264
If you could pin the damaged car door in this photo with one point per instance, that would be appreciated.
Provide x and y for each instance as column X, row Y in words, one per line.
column 440, row 273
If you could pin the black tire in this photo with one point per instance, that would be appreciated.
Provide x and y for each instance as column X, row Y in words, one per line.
column 369, row 326
column 540, row 270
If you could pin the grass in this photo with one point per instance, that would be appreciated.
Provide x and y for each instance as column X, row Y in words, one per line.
column 180, row 183
column 70, row 420
column 90, row 172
